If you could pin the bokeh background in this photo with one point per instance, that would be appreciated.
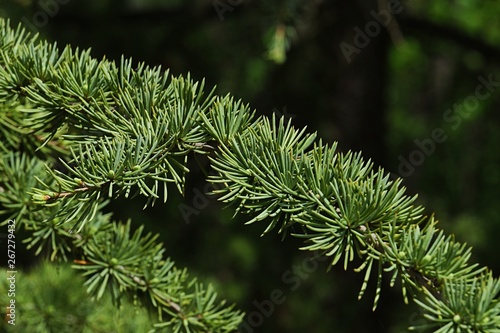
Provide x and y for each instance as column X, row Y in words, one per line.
column 325, row 65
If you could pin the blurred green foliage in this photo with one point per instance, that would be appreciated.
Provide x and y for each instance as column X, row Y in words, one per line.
column 49, row 298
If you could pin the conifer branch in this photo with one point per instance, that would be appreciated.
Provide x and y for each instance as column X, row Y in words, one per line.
column 130, row 131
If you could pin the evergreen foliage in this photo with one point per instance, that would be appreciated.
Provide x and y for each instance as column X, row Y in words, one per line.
column 55, row 305
column 78, row 132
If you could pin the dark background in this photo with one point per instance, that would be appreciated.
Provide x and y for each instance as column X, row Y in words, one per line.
column 402, row 83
